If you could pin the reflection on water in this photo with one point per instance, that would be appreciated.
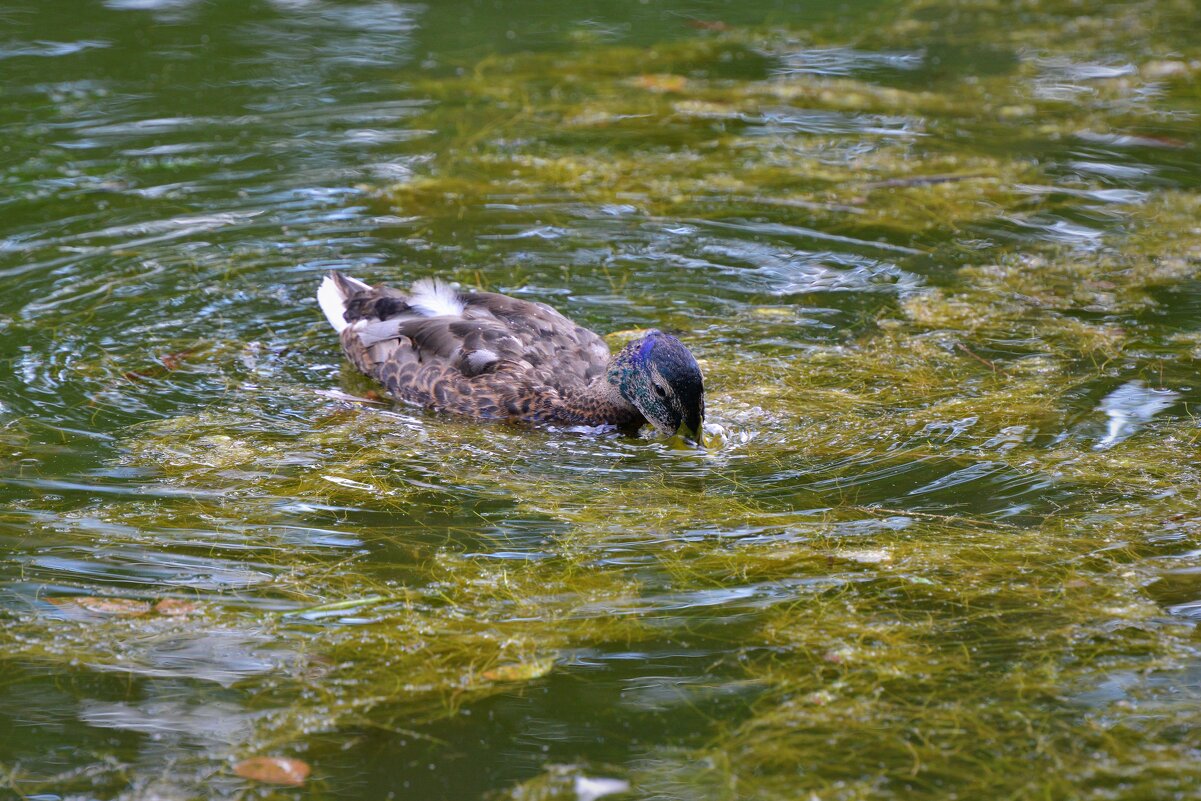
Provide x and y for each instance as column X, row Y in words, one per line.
column 843, row 61
column 939, row 267
column 1129, row 408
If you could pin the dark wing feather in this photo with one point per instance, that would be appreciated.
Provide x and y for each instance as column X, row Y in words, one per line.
column 560, row 351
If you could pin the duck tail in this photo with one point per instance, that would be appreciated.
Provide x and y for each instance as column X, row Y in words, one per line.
column 433, row 297
column 334, row 293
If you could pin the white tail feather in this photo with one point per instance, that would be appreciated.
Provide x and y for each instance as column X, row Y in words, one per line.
column 430, row 298
column 433, row 298
column 333, row 303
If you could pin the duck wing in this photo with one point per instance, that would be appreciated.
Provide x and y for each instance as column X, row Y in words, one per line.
column 477, row 353
column 534, row 336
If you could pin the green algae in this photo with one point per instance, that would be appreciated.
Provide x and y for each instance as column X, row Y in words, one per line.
column 652, row 129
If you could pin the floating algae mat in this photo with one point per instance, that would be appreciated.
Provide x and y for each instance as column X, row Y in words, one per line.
column 941, row 264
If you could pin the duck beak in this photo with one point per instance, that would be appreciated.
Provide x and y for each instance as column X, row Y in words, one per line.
column 692, row 429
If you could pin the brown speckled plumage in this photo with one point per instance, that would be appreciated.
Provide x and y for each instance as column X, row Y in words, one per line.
column 497, row 357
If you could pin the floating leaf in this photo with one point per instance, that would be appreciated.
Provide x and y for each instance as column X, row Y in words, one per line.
column 662, row 83
column 173, row 361
column 167, row 363
column 274, row 770
column 126, row 607
column 522, row 671
column 174, row 607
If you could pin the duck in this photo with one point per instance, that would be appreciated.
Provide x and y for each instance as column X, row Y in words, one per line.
column 495, row 357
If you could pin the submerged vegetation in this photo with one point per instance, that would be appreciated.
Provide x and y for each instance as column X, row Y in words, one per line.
column 940, row 264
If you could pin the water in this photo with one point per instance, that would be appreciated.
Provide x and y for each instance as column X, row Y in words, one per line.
column 940, row 264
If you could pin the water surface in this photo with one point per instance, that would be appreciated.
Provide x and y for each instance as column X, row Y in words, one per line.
column 940, row 262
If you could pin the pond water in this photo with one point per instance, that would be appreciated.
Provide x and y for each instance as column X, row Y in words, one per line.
column 941, row 264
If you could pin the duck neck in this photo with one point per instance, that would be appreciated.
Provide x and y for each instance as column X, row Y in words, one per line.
column 598, row 403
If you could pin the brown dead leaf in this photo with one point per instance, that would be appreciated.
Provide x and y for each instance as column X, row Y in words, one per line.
column 274, row 770
column 167, row 363
column 124, row 607
column 662, row 82
column 173, row 361
column 173, row 607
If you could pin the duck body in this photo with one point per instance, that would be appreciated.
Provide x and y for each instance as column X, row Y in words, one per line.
column 491, row 356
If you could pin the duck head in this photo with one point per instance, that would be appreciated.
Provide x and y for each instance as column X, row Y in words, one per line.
column 660, row 377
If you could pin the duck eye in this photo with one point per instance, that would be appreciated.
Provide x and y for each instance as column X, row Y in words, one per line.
column 660, row 391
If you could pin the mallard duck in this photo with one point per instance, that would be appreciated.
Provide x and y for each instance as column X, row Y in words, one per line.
column 495, row 357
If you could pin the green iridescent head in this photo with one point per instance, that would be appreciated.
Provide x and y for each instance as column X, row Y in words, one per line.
column 660, row 377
